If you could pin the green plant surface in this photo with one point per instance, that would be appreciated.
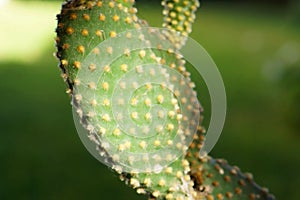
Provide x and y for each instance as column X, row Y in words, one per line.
column 82, row 25
column 31, row 166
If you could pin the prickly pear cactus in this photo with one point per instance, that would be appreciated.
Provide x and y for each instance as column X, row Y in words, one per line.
column 133, row 95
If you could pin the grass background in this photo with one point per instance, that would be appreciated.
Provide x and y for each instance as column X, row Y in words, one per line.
column 257, row 50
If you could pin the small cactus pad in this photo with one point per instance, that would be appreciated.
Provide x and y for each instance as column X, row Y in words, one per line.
column 179, row 16
column 222, row 181
column 215, row 179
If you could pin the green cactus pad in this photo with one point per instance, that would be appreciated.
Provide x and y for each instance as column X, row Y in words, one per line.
column 179, row 16
column 216, row 179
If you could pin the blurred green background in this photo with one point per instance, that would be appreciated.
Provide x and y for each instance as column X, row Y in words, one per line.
column 256, row 47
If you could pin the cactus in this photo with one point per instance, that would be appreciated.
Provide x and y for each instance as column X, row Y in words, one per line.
column 83, row 28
